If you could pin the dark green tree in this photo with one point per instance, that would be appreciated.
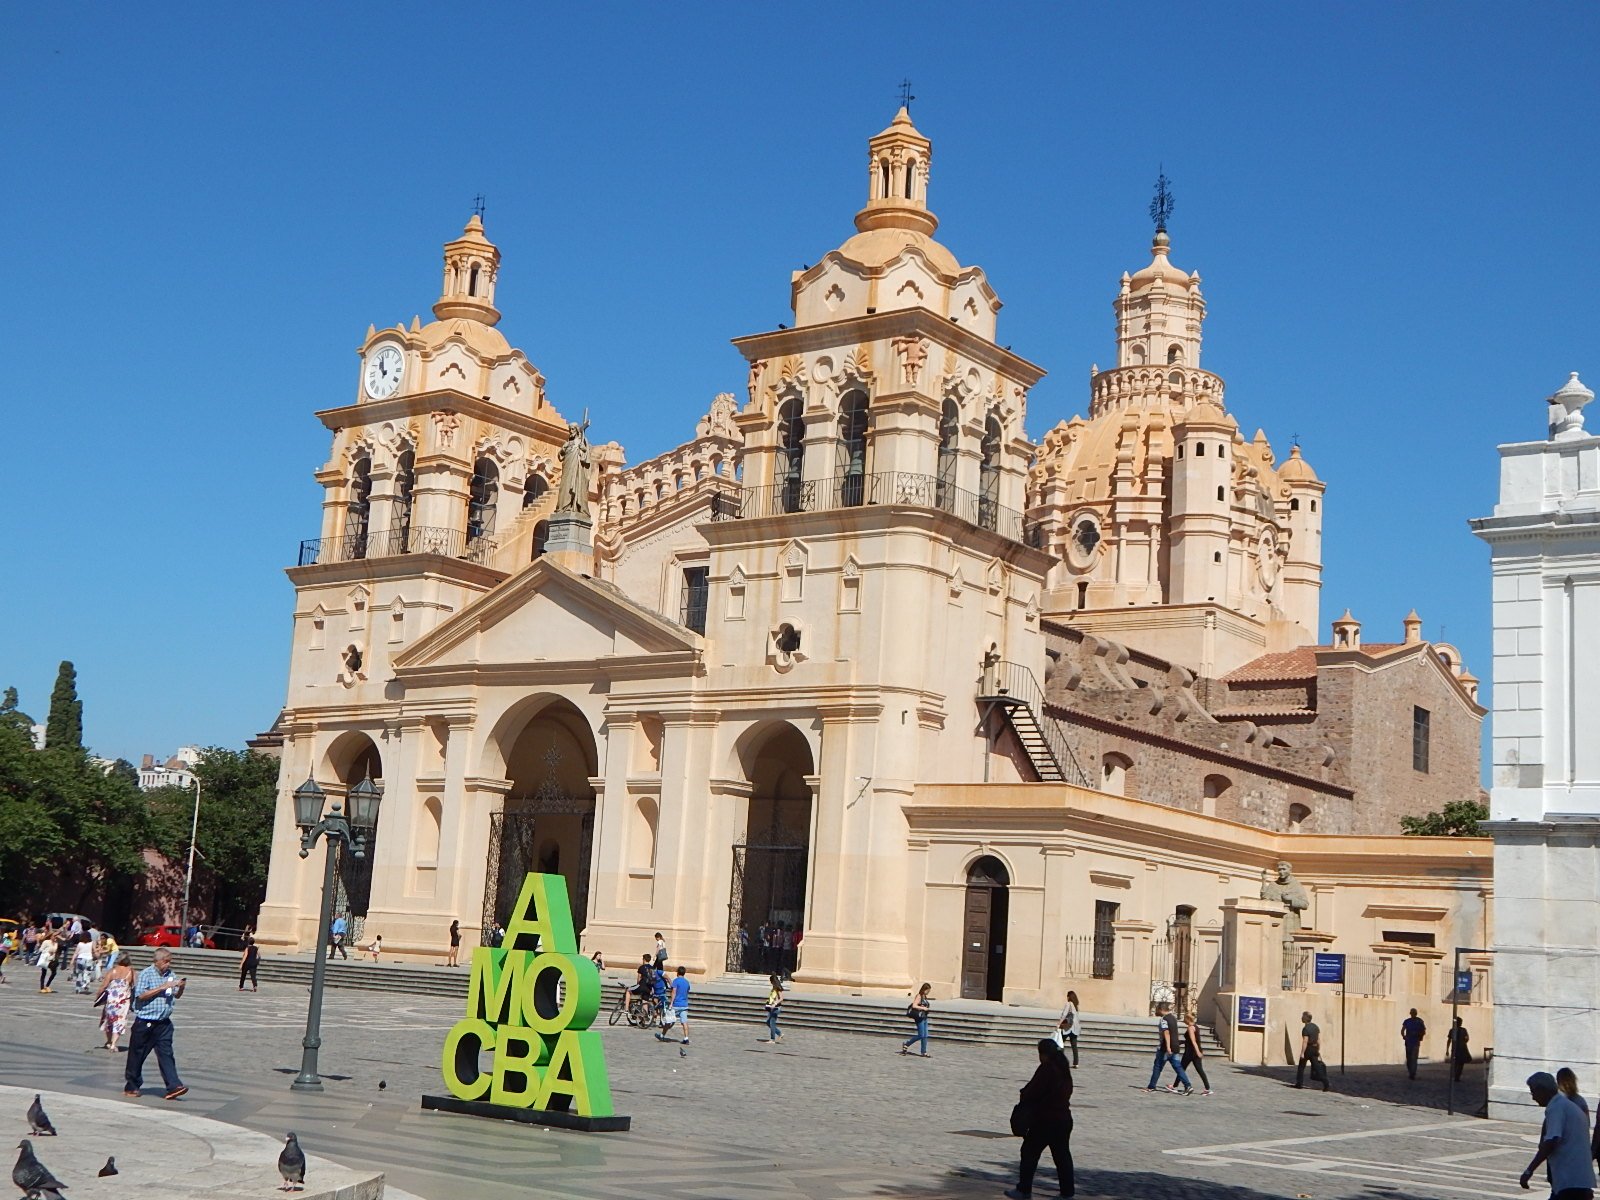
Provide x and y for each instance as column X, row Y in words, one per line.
column 1459, row 818
column 238, row 793
column 63, row 728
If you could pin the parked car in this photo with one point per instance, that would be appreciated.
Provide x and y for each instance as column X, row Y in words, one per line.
column 60, row 920
column 168, row 935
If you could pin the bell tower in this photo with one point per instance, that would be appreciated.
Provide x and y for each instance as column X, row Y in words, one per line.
column 897, row 192
column 1160, row 309
column 471, row 263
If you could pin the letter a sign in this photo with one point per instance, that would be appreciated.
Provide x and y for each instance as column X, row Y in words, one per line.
column 530, row 1003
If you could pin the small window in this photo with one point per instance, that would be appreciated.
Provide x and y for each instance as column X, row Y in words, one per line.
column 1216, row 556
column 1086, row 535
column 1313, row 506
column 1420, row 722
column 472, row 282
column 692, row 604
column 1199, row 449
column 1221, row 495
column 1294, row 505
column 1106, row 913
column 1083, row 595
column 1175, row 354
column 1180, row 450
column 788, row 639
column 1407, row 937
column 911, row 175
column 883, row 173
column 1298, row 814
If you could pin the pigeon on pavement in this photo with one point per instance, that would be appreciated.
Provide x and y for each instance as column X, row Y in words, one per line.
column 292, row 1165
column 38, row 1123
column 109, row 1169
column 33, row 1177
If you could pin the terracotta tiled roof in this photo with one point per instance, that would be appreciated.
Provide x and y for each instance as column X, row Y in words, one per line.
column 1299, row 663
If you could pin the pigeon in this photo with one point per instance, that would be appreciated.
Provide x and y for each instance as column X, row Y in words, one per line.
column 382, row 1084
column 33, row 1177
column 109, row 1169
column 292, row 1165
column 38, row 1123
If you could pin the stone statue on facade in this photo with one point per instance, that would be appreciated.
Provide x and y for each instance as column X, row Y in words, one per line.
column 577, row 467
column 1291, row 893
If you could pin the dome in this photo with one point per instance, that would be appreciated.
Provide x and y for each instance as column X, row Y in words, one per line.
column 1297, row 469
column 1206, row 411
column 879, row 247
column 485, row 340
column 1159, row 268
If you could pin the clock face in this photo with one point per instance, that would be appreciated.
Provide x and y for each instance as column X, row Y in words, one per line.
column 382, row 375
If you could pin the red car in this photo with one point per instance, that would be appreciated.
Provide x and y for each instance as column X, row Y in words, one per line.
column 169, row 935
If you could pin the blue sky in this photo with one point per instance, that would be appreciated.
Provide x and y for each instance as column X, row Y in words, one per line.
column 1390, row 205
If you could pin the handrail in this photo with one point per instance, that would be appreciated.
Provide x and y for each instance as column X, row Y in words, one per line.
column 857, row 490
column 389, row 543
column 1006, row 682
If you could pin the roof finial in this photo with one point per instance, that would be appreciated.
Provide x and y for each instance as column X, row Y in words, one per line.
column 1161, row 206
column 905, row 94
column 478, row 206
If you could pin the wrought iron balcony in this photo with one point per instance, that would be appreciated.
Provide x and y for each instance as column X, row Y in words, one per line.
column 881, row 487
column 390, row 543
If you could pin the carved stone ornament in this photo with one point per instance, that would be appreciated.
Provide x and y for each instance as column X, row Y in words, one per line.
column 757, row 369
column 718, row 422
column 913, row 352
column 445, row 425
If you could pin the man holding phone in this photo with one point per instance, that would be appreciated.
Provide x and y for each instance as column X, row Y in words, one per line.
column 154, row 993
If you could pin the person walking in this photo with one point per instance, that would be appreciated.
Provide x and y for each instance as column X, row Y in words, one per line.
column 1412, row 1030
column 1193, row 1052
column 455, row 945
column 154, row 993
column 49, row 950
column 680, row 1007
column 661, row 950
column 82, row 964
column 1167, row 1046
column 1567, row 1081
column 1310, row 1052
column 249, row 959
column 774, row 1003
column 1563, row 1142
column 336, row 938
column 1067, row 1029
column 1456, row 1044
column 918, row 1010
column 1044, row 1114
column 115, row 1000
column 375, row 948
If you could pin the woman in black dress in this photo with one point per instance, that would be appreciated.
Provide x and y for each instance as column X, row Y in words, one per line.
column 1044, row 1118
column 455, row 945
column 248, row 960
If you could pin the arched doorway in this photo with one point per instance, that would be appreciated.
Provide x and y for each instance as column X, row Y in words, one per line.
column 983, row 946
column 353, row 757
column 771, row 859
column 547, row 822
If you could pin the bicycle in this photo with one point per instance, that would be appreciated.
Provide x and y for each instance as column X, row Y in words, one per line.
column 640, row 1012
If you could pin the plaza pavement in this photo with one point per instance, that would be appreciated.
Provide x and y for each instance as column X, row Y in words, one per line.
column 824, row 1116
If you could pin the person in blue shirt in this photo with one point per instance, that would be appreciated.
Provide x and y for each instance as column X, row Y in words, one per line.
column 1412, row 1031
column 659, row 982
column 679, row 1015
column 154, row 993
column 336, row 938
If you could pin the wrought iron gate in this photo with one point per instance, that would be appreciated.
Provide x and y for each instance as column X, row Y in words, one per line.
column 511, row 850
column 768, row 886
column 352, row 888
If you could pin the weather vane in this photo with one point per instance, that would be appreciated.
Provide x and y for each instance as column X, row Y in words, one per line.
column 477, row 205
column 905, row 94
column 1161, row 206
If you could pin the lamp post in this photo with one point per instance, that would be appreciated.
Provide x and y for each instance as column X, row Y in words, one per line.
column 355, row 831
column 188, row 876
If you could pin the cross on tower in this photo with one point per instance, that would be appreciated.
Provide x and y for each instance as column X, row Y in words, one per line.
column 905, row 94
column 1161, row 206
column 477, row 206
column 1295, row 439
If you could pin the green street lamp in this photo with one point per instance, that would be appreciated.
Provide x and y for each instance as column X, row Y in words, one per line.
column 355, row 831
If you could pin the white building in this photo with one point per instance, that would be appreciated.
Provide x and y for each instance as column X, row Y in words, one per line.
column 176, row 771
column 1545, row 808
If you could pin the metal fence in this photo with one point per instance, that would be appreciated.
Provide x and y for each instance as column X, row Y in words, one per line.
column 451, row 543
column 1364, row 975
column 1091, row 956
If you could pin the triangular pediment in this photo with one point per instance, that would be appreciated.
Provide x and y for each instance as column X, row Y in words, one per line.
column 552, row 615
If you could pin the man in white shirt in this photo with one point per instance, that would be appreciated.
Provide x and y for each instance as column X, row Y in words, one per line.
column 1563, row 1142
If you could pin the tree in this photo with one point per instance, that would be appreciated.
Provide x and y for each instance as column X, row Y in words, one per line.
column 238, row 796
column 63, row 728
column 1459, row 818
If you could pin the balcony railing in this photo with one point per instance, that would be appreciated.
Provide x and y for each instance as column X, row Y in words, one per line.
column 881, row 487
column 390, row 543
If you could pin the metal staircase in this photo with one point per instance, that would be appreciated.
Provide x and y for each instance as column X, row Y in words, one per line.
column 1011, row 689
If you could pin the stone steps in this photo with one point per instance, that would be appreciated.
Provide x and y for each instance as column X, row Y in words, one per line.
column 738, row 1000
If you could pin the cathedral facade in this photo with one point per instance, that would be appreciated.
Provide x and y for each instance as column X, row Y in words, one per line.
column 826, row 666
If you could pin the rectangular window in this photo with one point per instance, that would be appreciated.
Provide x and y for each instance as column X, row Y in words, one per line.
column 1419, row 740
column 1105, row 938
column 692, row 606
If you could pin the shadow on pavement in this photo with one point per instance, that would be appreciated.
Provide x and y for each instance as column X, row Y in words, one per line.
column 1389, row 1083
column 1091, row 1182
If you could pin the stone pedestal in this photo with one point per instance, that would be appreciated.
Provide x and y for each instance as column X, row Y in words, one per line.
column 571, row 543
column 1252, row 964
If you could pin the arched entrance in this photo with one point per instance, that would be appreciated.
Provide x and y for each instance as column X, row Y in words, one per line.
column 353, row 757
column 983, row 946
column 547, row 823
column 771, row 859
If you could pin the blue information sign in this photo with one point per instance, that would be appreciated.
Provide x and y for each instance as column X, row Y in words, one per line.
column 1464, row 982
column 1252, row 1012
column 1330, row 968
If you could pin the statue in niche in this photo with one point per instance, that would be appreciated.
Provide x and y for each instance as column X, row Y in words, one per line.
column 577, row 467
column 1291, row 893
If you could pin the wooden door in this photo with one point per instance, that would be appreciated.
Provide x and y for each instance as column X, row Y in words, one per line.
column 975, row 943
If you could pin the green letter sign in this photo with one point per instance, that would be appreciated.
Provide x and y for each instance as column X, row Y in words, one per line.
column 530, row 1004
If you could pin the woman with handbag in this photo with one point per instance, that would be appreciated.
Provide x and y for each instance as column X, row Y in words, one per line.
column 115, row 999
column 1043, row 1117
column 918, row 1011
column 774, row 1003
column 1067, row 1031
column 1193, row 1052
